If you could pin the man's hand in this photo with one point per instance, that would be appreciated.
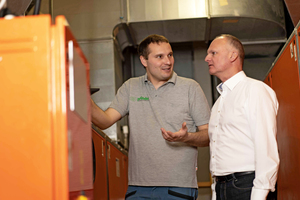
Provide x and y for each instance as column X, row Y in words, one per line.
column 197, row 139
column 179, row 136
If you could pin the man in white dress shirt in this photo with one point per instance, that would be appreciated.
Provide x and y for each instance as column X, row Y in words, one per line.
column 242, row 129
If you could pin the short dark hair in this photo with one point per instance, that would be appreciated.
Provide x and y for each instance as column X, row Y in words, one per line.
column 236, row 43
column 143, row 49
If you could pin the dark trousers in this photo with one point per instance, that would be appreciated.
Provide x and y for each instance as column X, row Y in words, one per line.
column 235, row 186
column 160, row 193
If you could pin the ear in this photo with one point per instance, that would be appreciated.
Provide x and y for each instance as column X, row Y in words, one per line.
column 234, row 56
column 143, row 61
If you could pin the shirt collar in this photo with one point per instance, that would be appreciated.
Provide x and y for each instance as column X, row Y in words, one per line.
column 171, row 80
column 232, row 82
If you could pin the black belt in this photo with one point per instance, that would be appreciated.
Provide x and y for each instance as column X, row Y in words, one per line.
column 229, row 177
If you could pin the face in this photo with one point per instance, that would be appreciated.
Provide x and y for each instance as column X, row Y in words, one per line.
column 159, row 65
column 218, row 57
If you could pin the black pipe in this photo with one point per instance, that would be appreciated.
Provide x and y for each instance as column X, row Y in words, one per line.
column 51, row 10
column 37, row 7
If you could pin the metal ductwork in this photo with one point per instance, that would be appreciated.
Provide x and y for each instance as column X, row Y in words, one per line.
column 248, row 20
column 259, row 24
column 18, row 7
column 293, row 7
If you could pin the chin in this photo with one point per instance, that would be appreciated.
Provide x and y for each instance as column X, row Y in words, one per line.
column 169, row 75
column 211, row 72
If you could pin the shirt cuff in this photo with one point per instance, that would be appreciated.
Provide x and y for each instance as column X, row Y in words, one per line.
column 213, row 186
column 259, row 194
column 214, row 195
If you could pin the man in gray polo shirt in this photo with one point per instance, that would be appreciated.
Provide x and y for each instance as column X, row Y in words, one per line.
column 168, row 117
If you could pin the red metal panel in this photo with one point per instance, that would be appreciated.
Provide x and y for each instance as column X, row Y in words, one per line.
column 79, row 130
column 285, row 82
column 268, row 80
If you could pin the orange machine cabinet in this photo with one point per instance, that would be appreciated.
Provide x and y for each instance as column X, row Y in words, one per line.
column 100, row 166
column 41, row 156
column 117, row 172
column 111, row 168
column 284, row 79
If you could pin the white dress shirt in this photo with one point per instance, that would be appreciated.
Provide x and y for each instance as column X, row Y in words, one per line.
column 242, row 132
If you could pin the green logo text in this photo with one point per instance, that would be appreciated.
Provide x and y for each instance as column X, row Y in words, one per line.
column 143, row 99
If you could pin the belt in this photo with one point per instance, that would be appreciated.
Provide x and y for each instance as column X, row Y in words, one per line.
column 229, row 177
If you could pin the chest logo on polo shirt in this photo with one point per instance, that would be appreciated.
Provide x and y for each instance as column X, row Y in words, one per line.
column 143, row 99
column 139, row 99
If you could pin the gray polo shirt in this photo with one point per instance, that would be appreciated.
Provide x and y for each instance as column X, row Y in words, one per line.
column 153, row 161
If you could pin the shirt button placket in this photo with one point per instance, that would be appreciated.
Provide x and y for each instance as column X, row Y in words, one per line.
column 216, row 134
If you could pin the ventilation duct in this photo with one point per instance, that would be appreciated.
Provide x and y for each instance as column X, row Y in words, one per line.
column 260, row 24
column 293, row 7
column 18, row 7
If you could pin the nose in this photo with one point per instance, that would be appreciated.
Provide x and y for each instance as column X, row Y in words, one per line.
column 168, row 60
column 207, row 58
